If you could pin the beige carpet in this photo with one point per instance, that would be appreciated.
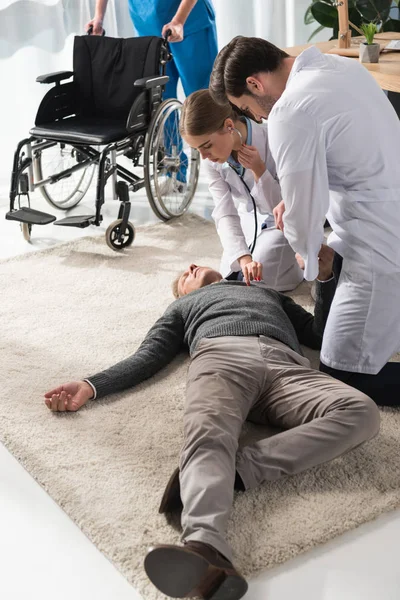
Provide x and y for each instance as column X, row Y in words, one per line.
column 75, row 309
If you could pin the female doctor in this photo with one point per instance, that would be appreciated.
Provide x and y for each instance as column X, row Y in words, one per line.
column 242, row 181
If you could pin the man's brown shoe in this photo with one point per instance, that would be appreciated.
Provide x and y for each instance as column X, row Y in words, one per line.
column 171, row 504
column 171, row 500
column 195, row 569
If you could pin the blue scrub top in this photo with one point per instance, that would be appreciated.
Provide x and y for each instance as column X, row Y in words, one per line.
column 149, row 16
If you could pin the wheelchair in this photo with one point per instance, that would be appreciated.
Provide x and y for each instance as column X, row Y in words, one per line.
column 112, row 108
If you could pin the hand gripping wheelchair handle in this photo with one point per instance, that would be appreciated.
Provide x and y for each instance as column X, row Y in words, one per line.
column 167, row 34
column 90, row 31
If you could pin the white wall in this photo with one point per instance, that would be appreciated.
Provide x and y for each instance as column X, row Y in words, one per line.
column 279, row 21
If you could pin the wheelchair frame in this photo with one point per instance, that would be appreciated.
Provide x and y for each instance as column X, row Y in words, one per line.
column 57, row 103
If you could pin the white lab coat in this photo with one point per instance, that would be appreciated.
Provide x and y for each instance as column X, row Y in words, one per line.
column 335, row 140
column 234, row 217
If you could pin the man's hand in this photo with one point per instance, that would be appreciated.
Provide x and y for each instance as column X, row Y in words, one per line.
column 278, row 215
column 68, row 397
column 97, row 25
column 300, row 261
column 325, row 262
column 176, row 31
column 251, row 269
column 250, row 158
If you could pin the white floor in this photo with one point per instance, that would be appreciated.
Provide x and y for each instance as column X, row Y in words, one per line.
column 43, row 555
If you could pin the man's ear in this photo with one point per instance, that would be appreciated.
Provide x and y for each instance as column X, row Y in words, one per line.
column 255, row 86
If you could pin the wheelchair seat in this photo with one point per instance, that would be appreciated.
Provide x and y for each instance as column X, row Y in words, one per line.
column 82, row 130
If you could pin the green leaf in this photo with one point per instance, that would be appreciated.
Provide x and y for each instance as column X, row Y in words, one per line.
column 355, row 17
column 391, row 25
column 324, row 14
column 308, row 17
column 374, row 10
column 320, row 28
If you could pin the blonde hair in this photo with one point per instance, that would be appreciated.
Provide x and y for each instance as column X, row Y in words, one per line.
column 174, row 286
column 201, row 115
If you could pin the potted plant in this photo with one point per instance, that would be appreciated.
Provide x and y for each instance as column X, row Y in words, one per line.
column 369, row 51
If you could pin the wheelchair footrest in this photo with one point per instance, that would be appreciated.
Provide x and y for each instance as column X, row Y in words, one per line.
column 77, row 221
column 31, row 216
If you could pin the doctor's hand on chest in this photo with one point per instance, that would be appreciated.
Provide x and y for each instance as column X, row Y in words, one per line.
column 250, row 158
column 251, row 269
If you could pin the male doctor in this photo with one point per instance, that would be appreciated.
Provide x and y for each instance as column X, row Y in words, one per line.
column 335, row 139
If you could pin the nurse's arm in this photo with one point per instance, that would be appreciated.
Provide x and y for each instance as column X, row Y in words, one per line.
column 176, row 25
column 298, row 148
column 97, row 22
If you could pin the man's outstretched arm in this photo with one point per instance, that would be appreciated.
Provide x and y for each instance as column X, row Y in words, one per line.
column 310, row 328
column 163, row 342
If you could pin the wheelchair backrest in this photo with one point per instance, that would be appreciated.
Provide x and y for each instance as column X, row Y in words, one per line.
column 106, row 68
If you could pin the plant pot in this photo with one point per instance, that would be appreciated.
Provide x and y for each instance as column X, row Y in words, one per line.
column 369, row 53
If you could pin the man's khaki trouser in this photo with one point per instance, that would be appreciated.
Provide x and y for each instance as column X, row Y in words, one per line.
column 232, row 379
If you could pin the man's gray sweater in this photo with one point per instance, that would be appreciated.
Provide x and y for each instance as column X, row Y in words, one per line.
column 221, row 309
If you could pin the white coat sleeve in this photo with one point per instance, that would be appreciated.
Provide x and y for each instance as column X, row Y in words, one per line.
column 266, row 192
column 226, row 218
column 298, row 148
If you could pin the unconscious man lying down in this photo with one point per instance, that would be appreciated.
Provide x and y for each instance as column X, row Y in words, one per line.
column 246, row 363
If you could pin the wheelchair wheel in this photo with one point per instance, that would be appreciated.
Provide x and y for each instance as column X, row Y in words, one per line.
column 112, row 234
column 69, row 191
column 26, row 229
column 171, row 167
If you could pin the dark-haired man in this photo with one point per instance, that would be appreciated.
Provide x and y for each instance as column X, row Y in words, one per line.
column 334, row 136
column 246, row 363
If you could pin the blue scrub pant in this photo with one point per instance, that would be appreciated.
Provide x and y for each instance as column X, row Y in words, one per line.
column 192, row 63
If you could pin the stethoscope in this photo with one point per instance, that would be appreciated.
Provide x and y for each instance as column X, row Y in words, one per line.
column 241, row 176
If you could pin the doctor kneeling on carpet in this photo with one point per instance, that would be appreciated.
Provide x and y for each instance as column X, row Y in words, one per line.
column 331, row 165
column 242, row 181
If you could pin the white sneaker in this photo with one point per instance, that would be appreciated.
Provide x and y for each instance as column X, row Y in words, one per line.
column 172, row 186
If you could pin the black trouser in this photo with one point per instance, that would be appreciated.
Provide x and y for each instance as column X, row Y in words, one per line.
column 384, row 387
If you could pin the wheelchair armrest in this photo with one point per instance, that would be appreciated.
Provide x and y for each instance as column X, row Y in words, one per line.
column 54, row 77
column 151, row 82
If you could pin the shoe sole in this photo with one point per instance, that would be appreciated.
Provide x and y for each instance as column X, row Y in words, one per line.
column 180, row 573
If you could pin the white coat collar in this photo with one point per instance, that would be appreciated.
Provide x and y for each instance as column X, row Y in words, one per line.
column 259, row 141
column 309, row 56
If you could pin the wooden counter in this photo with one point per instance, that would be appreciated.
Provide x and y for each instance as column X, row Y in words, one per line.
column 386, row 72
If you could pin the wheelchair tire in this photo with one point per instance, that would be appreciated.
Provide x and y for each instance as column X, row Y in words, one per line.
column 67, row 192
column 112, row 235
column 26, row 229
column 166, row 156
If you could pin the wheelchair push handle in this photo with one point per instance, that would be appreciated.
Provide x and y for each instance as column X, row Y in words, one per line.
column 90, row 31
column 167, row 34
